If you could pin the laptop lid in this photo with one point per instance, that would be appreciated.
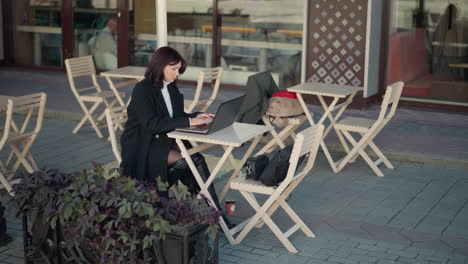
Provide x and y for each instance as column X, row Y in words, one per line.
column 227, row 114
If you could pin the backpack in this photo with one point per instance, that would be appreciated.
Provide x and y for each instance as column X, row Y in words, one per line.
column 276, row 170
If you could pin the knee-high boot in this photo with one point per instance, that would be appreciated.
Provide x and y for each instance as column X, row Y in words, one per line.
column 181, row 171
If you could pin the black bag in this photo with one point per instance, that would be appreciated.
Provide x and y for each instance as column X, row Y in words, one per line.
column 278, row 167
column 255, row 166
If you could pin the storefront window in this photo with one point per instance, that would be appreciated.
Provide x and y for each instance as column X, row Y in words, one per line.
column 263, row 36
column 143, row 36
column 37, row 32
column 185, row 22
column 428, row 50
column 95, row 31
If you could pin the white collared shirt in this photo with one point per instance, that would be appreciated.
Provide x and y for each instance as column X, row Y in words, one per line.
column 167, row 99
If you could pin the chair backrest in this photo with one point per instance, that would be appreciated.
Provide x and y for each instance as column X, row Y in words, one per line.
column 78, row 67
column 260, row 87
column 29, row 104
column 116, row 117
column 307, row 142
column 208, row 75
column 391, row 97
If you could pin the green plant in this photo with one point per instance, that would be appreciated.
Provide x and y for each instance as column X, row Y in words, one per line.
column 118, row 218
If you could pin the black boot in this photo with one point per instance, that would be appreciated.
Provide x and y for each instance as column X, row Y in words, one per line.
column 179, row 170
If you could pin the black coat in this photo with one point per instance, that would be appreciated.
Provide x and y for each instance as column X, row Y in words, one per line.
column 144, row 142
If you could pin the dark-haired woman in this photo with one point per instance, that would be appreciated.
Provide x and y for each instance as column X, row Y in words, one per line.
column 156, row 108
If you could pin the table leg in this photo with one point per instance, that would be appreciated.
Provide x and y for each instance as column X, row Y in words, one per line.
column 204, row 185
column 333, row 120
column 306, row 109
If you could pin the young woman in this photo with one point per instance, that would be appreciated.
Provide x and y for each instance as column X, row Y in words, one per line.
column 156, row 108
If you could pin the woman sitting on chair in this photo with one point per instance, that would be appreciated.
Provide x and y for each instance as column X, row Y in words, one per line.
column 157, row 108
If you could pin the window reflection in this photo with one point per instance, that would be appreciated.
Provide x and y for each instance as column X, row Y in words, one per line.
column 95, row 29
column 428, row 49
column 37, row 26
column 263, row 36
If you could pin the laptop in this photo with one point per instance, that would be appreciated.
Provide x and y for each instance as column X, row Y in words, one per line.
column 225, row 116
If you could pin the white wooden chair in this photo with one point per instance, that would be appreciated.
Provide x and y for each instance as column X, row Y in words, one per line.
column 289, row 126
column 84, row 66
column 116, row 119
column 369, row 129
column 20, row 139
column 206, row 75
column 307, row 143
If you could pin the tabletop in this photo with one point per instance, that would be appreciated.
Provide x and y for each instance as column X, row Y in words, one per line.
column 333, row 90
column 131, row 72
column 234, row 135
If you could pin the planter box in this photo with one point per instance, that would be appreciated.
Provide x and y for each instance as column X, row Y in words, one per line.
column 184, row 245
column 189, row 244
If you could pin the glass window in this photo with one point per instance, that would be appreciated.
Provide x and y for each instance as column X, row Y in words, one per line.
column 143, row 37
column 261, row 36
column 95, row 31
column 185, row 22
column 37, row 26
column 428, row 49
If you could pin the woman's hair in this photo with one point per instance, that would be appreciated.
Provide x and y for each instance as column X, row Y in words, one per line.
column 161, row 58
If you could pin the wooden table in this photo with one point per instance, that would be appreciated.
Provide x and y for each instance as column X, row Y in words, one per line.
column 133, row 73
column 322, row 90
column 229, row 138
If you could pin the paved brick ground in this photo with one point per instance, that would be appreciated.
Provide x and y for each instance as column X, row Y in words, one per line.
column 415, row 214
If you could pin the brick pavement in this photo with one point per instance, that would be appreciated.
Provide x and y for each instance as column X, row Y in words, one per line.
column 415, row 214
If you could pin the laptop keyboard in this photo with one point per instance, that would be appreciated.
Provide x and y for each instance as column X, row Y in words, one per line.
column 201, row 128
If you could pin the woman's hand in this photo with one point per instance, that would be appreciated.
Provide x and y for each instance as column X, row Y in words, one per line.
column 205, row 116
column 194, row 122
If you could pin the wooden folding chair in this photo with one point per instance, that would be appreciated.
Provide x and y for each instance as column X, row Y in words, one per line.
column 307, row 142
column 206, row 75
column 20, row 139
column 289, row 126
column 369, row 129
column 116, row 119
column 84, row 66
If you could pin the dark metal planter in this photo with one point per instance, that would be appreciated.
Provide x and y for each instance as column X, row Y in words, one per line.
column 184, row 245
column 187, row 245
column 4, row 237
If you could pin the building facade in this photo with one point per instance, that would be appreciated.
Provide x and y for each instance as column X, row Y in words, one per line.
column 365, row 43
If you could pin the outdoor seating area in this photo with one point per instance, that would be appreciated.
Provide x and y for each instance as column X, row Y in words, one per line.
column 306, row 142
column 243, row 142
column 234, row 132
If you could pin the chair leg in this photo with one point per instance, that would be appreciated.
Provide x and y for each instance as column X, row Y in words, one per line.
column 381, row 155
column 88, row 116
column 6, row 184
column 261, row 213
column 363, row 153
column 32, row 162
column 296, row 218
column 21, row 155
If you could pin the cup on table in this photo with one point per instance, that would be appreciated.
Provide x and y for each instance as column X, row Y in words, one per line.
column 230, row 207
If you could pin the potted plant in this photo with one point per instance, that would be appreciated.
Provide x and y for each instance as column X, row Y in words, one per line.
column 86, row 218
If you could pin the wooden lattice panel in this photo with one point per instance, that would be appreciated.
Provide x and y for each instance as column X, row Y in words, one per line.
column 338, row 41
